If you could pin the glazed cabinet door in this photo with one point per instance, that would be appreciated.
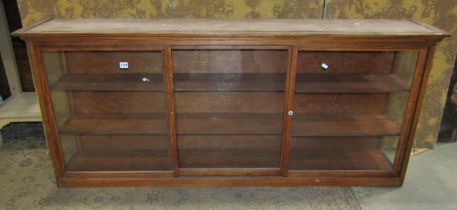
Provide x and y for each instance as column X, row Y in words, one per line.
column 349, row 111
column 110, row 108
column 229, row 109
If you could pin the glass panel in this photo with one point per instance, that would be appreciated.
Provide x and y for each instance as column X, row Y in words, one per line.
column 110, row 109
column 229, row 106
column 349, row 109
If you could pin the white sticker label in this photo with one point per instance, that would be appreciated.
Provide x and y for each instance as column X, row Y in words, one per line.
column 324, row 66
column 123, row 65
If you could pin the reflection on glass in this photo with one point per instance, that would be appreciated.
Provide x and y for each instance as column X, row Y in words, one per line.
column 109, row 118
column 229, row 106
column 348, row 115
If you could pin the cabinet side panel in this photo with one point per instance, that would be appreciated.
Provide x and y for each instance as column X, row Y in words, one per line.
column 418, row 87
column 60, row 100
column 397, row 102
column 46, row 106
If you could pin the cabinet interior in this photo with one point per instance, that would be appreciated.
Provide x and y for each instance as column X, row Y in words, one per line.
column 348, row 108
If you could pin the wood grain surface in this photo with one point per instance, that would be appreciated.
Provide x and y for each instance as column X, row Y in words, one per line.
column 209, row 26
column 226, row 98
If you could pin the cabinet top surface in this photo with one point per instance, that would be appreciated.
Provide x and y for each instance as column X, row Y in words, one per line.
column 273, row 27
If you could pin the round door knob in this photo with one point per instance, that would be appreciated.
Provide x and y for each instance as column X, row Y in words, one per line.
column 290, row 113
column 145, row 80
column 324, row 66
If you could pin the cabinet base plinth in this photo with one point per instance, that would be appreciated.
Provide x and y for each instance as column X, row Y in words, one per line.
column 231, row 182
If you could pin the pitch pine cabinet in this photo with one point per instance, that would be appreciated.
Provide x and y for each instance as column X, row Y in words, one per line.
column 179, row 102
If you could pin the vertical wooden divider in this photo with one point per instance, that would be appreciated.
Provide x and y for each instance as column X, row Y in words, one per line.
column 288, row 106
column 47, row 111
column 168, row 61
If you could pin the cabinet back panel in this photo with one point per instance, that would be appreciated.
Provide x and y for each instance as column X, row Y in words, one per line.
column 345, row 62
column 238, row 151
column 335, row 143
column 340, row 103
column 224, row 102
column 120, row 153
column 148, row 160
column 124, row 142
column 108, row 62
column 230, row 61
column 118, row 102
column 229, row 123
column 337, row 154
column 266, row 142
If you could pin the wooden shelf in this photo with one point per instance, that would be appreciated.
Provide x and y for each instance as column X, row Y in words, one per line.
column 204, row 124
column 110, row 82
column 303, row 125
column 343, row 125
column 143, row 160
column 154, row 124
column 234, row 124
column 348, row 83
column 241, row 158
column 112, row 160
column 335, row 159
column 306, row 83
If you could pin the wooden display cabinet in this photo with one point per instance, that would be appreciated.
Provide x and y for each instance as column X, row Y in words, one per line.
column 230, row 102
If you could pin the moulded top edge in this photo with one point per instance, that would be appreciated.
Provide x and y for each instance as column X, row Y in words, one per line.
column 265, row 27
